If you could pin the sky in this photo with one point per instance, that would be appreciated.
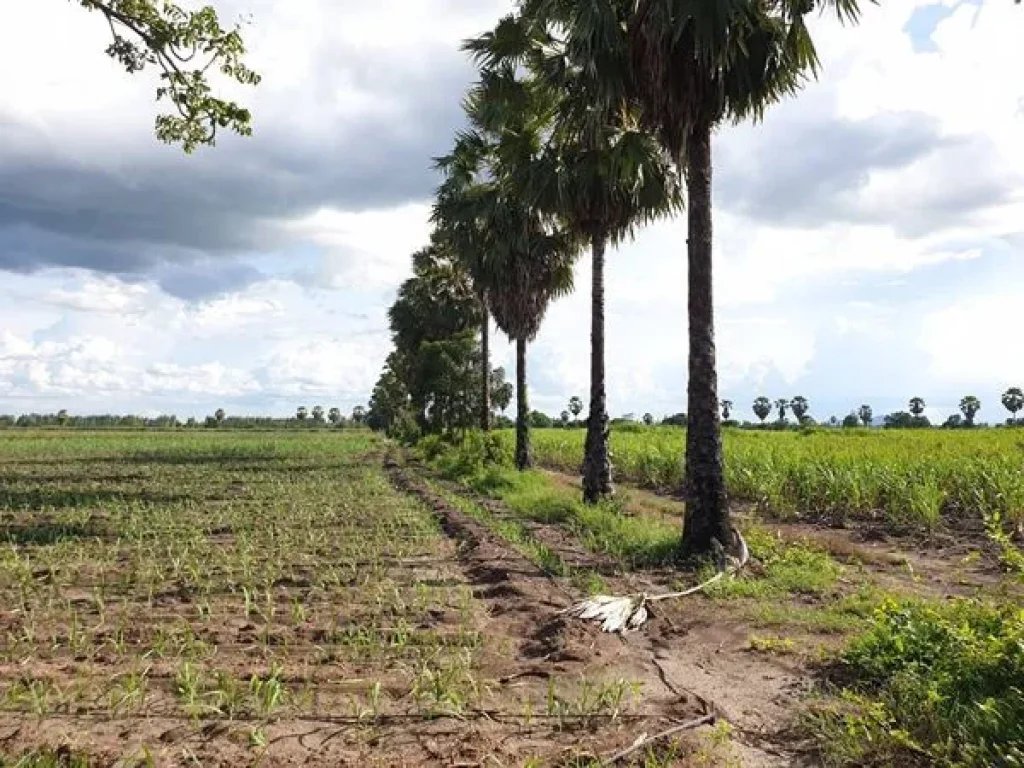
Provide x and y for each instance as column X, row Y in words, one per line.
column 869, row 233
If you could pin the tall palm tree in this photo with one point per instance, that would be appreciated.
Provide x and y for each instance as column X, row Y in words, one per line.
column 916, row 405
column 528, row 261
column 694, row 64
column 599, row 172
column 532, row 269
column 457, row 219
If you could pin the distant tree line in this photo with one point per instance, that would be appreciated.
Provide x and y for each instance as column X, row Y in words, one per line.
column 304, row 418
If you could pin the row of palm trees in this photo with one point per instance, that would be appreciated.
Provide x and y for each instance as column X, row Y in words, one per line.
column 589, row 120
column 1012, row 400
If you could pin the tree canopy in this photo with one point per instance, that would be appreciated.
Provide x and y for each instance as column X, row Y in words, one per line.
column 187, row 47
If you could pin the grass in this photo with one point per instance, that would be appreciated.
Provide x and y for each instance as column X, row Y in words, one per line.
column 634, row 541
column 242, row 584
column 914, row 479
column 929, row 683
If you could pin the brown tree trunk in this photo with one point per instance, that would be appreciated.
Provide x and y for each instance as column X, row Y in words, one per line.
column 485, row 389
column 524, row 453
column 597, row 467
column 707, row 511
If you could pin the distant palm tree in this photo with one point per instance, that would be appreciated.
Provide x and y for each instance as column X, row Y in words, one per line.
column 726, row 409
column 219, row 415
column 1013, row 401
column 334, row 415
column 782, row 404
column 762, row 408
column 799, row 406
column 302, row 413
column 917, row 405
column 865, row 414
column 969, row 407
column 503, row 392
column 318, row 414
column 359, row 414
column 575, row 407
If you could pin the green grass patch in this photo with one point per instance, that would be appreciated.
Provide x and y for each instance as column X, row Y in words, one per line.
column 636, row 542
column 787, row 568
column 929, row 683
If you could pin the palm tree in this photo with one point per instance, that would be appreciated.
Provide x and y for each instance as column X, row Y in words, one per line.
column 301, row 413
column 502, row 392
column 916, row 405
column 458, row 219
column 762, row 408
column 969, row 407
column 529, row 262
column 782, row 404
column 598, row 173
column 318, row 414
column 334, row 416
column 534, row 271
column 693, row 65
column 219, row 415
column 865, row 414
column 575, row 407
column 1013, row 401
column 726, row 409
column 359, row 414
column 800, row 407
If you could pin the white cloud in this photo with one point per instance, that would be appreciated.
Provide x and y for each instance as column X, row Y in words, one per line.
column 368, row 249
column 976, row 338
column 879, row 285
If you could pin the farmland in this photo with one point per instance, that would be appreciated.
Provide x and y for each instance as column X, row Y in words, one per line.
column 902, row 478
column 216, row 597
column 233, row 599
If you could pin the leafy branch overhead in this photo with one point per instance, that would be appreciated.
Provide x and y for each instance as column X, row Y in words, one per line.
column 188, row 47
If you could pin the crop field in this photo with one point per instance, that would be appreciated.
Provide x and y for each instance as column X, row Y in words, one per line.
column 909, row 478
column 225, row 598
column 232, row 599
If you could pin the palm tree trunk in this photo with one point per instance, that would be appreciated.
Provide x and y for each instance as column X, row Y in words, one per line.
column 597, row 468
column 524, row 453
column 485, row 373
column 707, row 511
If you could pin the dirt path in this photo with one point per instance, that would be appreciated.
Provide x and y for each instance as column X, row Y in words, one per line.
column 695, row 650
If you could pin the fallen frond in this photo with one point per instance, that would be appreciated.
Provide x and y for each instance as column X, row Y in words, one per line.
column 629, row 613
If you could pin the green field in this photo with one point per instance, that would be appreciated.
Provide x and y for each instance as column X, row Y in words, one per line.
column 210, row 597
column 904, row 477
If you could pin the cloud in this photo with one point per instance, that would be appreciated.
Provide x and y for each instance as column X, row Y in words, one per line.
column 868, row 233
column 345, row 122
